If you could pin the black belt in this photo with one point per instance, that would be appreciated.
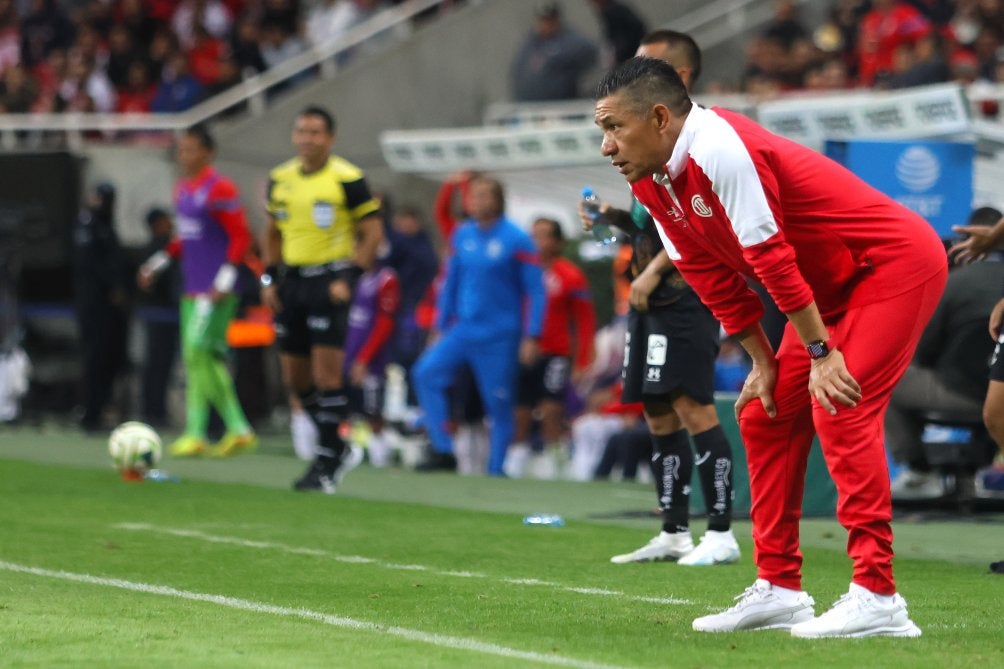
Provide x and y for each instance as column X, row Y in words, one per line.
column 308, row 271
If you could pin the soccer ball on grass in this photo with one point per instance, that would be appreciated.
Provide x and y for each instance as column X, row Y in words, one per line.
column 135, row 449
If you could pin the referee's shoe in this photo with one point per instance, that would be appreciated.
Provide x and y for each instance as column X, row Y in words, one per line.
column 325, row 473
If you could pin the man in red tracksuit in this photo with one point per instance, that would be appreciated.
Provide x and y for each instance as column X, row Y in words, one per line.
column 858, row 277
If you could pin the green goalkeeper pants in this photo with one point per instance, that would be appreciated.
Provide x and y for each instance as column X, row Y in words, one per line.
column 204, row 350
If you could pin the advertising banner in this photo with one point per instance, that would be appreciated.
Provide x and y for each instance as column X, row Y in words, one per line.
column 934, row 179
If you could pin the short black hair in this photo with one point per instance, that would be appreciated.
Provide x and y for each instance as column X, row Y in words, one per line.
column 321, row 113
column 681, row 41
column 409, row 210
column 548, row 9
column 648, row 81
column 556, row 231
column 201, row 133
column 156, row 214
column 984, row 216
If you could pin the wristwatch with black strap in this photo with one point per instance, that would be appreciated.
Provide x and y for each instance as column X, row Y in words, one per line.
column 818, row 349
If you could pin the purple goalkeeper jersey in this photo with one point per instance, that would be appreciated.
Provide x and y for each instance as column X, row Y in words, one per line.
column 376, row 293
column 208, row 213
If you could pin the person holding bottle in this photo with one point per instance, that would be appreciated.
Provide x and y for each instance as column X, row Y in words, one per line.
column 669, row 365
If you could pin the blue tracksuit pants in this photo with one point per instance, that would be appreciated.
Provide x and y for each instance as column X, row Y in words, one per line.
column 494, row 363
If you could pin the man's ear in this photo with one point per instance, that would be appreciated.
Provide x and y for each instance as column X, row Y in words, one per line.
column 661, row 116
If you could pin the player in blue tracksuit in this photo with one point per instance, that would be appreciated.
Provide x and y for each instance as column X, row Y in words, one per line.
column 490, row 311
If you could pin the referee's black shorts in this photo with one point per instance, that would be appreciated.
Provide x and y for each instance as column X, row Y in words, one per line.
column 671, row 351
column 309, row 318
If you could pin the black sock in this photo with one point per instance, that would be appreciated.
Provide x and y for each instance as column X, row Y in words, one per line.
column 714, row 457
column 672, row 467
column 326, row 409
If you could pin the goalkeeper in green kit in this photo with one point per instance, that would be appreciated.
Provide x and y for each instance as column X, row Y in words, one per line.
column 212, row 238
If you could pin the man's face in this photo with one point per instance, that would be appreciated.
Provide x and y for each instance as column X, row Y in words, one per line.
column 407, row 224
column 191, row 155
column 311, row 138
column 481, row 202
column 631, row 140
column 548, row 26
column 544, row 240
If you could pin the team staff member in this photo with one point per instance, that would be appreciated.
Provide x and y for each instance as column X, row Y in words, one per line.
column 669, row 366
column 856, row 274
column 324, row 228
column 492, row 279
column 212, row 240
column 544, row 384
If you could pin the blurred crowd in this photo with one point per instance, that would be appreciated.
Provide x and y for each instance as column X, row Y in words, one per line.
column 167, row 55
column 878, row 44
column 156, row 55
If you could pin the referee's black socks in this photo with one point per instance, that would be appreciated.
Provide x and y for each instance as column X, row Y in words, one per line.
column 327, row 408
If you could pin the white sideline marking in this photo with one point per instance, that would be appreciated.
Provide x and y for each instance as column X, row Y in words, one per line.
column 306, row 614
column 358, row 559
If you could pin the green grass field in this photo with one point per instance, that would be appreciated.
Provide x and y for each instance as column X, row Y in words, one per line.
column 229, row 568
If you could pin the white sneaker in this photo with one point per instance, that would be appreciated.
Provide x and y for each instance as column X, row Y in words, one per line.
column 379, row 450
column 911, row 485
column 304, row 434
column 517, row 458
column 664, row 546
column 760, row 607
column 860, row 613
column 350, row 460
column 715, row 548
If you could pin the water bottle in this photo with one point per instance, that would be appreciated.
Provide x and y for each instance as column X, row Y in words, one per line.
column 602, row 233
column 544, row 519
column 161, row 476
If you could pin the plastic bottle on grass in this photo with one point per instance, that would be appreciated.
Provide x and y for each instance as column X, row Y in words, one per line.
column 602, row 234
column 161, row 476
column 545, row 519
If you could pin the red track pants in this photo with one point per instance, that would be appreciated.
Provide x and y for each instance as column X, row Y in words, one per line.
column 877, row 341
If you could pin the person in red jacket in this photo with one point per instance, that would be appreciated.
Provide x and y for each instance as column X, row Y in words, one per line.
column 566, row 350
column 889, row 25
column 857, row 275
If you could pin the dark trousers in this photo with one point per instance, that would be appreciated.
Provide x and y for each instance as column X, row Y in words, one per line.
column 627, row 448
column 161, row 354
column 103, row 335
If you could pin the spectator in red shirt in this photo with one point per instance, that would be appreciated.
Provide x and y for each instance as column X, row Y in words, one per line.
column 138, row 93
column 857, row 275
column 205, row 55
column 544, row 384
column 889, row 24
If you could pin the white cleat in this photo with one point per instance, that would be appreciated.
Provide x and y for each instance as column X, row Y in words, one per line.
column 760, row 607
column 715, row 548
column 664, row 546
column 352, row 458
column 860, row 613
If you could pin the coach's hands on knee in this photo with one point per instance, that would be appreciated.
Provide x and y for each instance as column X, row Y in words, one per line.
column 759, row 384
column 830, row 381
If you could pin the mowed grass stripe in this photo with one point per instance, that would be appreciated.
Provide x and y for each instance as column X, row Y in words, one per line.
column 359, row 559
column 440, row 640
